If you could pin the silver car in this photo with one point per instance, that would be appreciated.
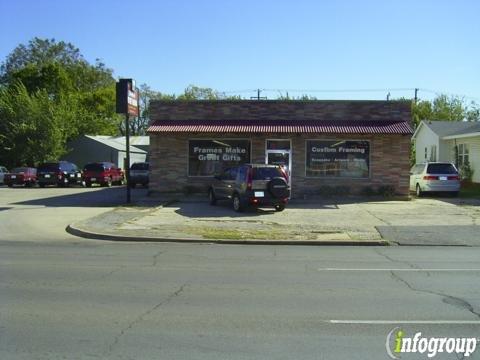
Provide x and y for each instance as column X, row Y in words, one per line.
column 434, row 177
column 139, row 174
column 3, row 171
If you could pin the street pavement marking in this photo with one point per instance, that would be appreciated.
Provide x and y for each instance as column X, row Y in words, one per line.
column 409, row 269
column 417, row 322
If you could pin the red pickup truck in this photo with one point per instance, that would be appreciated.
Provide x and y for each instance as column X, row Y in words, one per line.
column 102, row 173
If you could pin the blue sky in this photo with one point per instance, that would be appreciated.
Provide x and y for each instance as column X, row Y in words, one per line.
column 243, row 45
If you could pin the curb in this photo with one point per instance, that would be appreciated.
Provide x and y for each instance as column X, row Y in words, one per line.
column 73, row 230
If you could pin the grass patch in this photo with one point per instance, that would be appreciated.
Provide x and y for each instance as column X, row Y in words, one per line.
column 234, row 234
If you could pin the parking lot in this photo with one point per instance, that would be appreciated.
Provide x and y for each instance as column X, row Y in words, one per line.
column 35, row 214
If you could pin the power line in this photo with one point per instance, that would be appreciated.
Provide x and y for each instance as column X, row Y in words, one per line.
column 342, row 90
column 364, row 90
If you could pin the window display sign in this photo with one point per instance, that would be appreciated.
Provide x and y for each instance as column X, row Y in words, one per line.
column 209, row 157
column 338, row 158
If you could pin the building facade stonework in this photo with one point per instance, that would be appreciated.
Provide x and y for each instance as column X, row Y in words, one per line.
column 383, row 126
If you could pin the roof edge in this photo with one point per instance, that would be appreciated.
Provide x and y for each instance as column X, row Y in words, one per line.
column 460, row 136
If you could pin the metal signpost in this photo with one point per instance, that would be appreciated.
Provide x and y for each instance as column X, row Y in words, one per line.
column 127, row 103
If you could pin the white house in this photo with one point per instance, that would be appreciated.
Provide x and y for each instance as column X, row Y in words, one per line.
column 453, row 141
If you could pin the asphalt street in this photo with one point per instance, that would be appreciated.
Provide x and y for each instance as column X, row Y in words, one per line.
column 63, row 297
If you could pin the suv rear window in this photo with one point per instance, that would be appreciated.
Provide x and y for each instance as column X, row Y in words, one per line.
column 93, row 167
column 20, row 170
column 266, row 173
column 140, row 166
column 441, row 169
column 48, row 167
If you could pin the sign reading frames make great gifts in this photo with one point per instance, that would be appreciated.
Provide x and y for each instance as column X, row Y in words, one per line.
column 209, row 157
column 338, row 158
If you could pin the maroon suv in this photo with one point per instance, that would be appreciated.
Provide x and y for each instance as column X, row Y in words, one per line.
column 103, row 173
column 26, row 176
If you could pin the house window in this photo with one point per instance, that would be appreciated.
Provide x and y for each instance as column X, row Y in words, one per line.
column 426, row 153
column 207, row 157
column 337, row 158
column 462, row 155
column 433, row 153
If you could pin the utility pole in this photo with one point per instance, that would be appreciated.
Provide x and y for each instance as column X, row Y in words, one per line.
column 416, row 97
column 127, row 98
column 127, row 166
column 258, row 97
column 388, row 96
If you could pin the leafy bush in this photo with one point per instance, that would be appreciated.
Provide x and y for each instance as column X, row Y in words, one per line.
column 341, row 190
column 326, row 190
column 466, row 172
column 368, row 191
column 386, row 190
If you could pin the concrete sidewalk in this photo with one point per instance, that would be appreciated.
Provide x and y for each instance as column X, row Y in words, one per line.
column 427, row 221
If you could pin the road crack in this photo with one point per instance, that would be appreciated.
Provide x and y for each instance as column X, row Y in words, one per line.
column 411, row 265
column 375, row 216
column 111, row 272
column 155, row 257
column 142, row 316
column 447, row 299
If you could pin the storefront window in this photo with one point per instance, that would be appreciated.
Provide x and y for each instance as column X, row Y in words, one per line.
column 337, row 158
column 209, row 157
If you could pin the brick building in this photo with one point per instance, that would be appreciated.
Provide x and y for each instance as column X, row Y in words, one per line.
column 350, row 144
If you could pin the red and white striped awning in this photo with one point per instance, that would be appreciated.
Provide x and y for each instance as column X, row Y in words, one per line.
column 281, row 126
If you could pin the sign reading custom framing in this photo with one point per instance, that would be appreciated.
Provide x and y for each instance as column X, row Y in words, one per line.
column 337, row 158
column 209, row 157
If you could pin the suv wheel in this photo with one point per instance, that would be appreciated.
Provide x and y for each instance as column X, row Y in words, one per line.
column 211, row 197
column 279, row 207
column 109, row 182
column 237, row 204
column 418, row 191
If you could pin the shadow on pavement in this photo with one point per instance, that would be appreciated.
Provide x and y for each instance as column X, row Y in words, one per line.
column 454, row 200
column 224, row 209
column 105, row 197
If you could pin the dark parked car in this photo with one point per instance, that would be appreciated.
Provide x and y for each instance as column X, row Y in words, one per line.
column 62, row 173
column 252, row 185
column 103, row 173
column 26, row 176
column 139, row 174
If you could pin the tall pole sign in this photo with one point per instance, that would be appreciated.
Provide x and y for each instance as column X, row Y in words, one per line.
column 127, row 103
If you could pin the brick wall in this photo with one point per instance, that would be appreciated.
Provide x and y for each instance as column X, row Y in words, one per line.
column 389, row 162
column 281, row 110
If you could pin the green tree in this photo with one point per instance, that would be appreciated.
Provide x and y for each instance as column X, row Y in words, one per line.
column 444, row 108
column 38, row 52
column 33, row 128
column 78, row 97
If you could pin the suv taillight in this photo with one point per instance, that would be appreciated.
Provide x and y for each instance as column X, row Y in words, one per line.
column 250, row 179
column 430, row 177
column 284, row 173
column 454, row 177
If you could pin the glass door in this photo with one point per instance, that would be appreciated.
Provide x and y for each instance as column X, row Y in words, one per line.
column 278, row 152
